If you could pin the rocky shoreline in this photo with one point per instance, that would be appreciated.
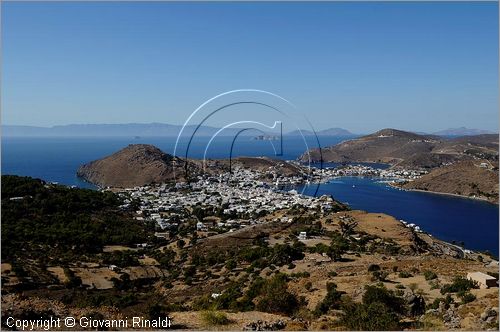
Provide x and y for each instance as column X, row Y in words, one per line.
column 483, row 199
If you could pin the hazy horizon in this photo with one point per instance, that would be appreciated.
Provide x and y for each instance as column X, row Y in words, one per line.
column 211, row 126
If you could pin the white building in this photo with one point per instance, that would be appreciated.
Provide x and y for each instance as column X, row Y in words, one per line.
column 483, row 280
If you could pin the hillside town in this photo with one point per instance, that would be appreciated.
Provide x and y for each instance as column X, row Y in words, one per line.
column 238, row 203
column 396, row 174
column 240, row 198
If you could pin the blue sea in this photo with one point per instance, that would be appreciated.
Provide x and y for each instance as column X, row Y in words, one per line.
column 475, row 223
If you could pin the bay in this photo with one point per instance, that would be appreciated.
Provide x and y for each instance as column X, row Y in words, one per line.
column 449, row 218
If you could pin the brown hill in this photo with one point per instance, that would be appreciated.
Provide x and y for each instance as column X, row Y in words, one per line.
column 467, row 178
column 135, row 165
column 407, row 149
column 141, row 164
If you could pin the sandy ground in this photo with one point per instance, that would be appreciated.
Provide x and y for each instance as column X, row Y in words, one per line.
column 137, row 272
column 112, row 248
column 194, row 321
column 58, row 272
column 100, row 278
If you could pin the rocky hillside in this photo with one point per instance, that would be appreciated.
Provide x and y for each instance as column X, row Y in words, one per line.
column 407, row 149
column 465, row 178
column 140, row 164
column 135, row 165
column 73, row 252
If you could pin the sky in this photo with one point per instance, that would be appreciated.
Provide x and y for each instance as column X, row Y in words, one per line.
column 359, row 66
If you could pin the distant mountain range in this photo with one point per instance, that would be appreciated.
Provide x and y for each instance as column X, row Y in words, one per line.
column 140, row 129
column 325, row 132
column 462, row 131
column 169, row 130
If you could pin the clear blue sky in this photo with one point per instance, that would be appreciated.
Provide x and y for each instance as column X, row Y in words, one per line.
column 360, row 66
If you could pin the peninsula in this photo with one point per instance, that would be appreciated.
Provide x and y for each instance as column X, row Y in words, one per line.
column 466, row 166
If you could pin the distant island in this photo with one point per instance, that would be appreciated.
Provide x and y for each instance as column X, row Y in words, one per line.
column 462, row 131
column 325, row 132
column 138, row 130
column 266, row 138
column 142, row 130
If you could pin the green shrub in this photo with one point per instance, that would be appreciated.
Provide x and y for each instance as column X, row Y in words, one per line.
column 466, row 297
column 434, row 284
column 156, row 310
column 331, row 300
column 383, row 295
column 369, row 317
column 430, row 275
column 337, row 247
column 231, row 264
column 405, row 274
column 332, row 274
column 297, row 275
column 215, row 318
column 373, row 267
column 447, row 301
column 380, row 310
column 275, row 297
column 283, row 254
column 459, row 284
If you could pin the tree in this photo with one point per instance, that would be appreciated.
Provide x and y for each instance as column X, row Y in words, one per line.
column 331, row 300
column 338, row 247
column 276, row 298
column 284, row 254
column 383, row 295
column 347, row 227
column 369, row 317
column 430, row 275
column 380, row 310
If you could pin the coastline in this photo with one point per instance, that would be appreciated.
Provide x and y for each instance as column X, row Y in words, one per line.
column 443, row 193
